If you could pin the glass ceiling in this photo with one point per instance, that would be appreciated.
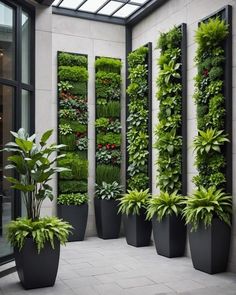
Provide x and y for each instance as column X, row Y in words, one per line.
column 113, row 8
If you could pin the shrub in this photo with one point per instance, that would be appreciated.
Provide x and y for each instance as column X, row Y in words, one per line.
column 108, row 191
column 72, row 199
column 107, row 173
column 68, row 59
column 75, row 74
column 108, row 65
column 72, row 186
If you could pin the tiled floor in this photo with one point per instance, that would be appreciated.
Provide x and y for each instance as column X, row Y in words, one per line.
column 111, row 267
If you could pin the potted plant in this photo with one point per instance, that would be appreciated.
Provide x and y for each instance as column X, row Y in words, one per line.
column 36, row 240
column 208, row 213
column 108, row 220
column 73, row 208
column 137, row 229
column 169, row 229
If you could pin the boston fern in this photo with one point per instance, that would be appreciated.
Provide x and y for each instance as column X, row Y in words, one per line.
column 165, row 204
column 205, row 204
column 134, row 201
column 108, row 191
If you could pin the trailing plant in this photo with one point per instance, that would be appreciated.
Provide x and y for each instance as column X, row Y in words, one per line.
column 205, row 204
column 165, row 204
column 108, row 191
column 137, row 135
column 72, row 199
column 210, row 142
column 134, row 201
column 168, row 130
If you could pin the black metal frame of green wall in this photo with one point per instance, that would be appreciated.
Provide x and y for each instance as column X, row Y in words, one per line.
column 225, row 13
column 149, row 97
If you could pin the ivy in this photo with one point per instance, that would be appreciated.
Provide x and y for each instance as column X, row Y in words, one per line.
column 168, row 131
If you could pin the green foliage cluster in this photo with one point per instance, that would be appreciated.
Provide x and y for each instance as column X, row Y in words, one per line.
column 108, row 109
column 69, row 59
column 106, row 64
column 72, row 199
column 108, row 191
column 134, row 201
column 73, row 74
column 44, row 230
column 107, row 173
column 108, row 85
column 137, row 135
column 109, row 138
column 73, row 186
column 210, row 101
column 168, row 131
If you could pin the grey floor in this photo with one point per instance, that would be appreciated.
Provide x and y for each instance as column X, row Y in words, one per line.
column 97, row 266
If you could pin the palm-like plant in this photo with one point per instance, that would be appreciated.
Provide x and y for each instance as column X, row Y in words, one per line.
column 204, row 204
column 209, row 140
column 134, row 201
column 165, row 204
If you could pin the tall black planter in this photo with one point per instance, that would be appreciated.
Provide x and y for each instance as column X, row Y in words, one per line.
column 77, row 216
column 210, row 247
column 37, row 270
column 108, row 220
column 137, row 230
column 169, row 236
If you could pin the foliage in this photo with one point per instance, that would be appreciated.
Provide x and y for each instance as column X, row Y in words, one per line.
column 64, row 86
column 106, row 64
column 72, row 199
column 75, row 74
column 46, row 229
column 110, row 109
column 107, row 173
column 137, row 57
column 65, row 129
column 102, row 123
column 134, row 201
column 108, row 85
column 165, row 204
column 107, row 155
column 108, row 191
column 69, row 114
column 34, row 166
column 205, row 204
column 72, row 186
column 109, row 138
column 209, row 97
column 69, row 59
column 69, row 142
column 168, row 131
column 82, row 143
column 79, row 88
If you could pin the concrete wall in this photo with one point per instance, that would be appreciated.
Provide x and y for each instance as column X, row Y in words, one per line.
column 175, row 12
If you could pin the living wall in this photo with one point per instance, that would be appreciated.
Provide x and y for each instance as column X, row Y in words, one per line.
column 209, row 97
column 138, row 118
column 73, row 121
column 108, row 125
column 169, row 139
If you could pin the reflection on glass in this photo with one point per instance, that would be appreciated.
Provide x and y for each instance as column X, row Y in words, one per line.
column 25, row 110
column 7, row 42
column 6, row 194
column 25, row 47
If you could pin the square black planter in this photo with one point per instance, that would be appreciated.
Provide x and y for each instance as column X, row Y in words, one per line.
column 169, row 236
column 137, row 230
column 77, row 216
column 108, row 220
column 210, row 247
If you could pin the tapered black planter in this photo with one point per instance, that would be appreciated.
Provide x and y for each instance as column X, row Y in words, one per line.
column 77, row 216
column 169, row 236
column 108, row 220
column 37, row 270
column 137, row 230
column 210, row 247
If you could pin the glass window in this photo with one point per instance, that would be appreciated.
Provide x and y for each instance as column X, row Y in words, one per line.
column 25, row 47
column 25, row 110
column 110, row 7
column 92, row 6
column 126, row 10
column 7, row 42
column 6, row 124
column 72, row 4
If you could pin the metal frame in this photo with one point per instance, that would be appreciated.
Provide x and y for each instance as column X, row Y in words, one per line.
column 18, row 86
column 226, row 14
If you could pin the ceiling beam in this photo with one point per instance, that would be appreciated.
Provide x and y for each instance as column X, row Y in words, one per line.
column 45, row 2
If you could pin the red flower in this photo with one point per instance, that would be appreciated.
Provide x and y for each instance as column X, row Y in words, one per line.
column 108, row 146
column 205, row 72
column 99, row 146
column 113, row 146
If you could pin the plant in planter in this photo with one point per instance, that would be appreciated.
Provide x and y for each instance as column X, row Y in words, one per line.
column 36, row 240
column 208, row 213
column 137, row 229
column 106, row 202
column 169, row 230
column 74, row 209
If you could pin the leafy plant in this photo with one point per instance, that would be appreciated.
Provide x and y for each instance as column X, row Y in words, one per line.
column 65, row 129
column 107, row 173
column 106, row 64
column 109, row 138
column 102, row 123
column 64, row 86
column 69, row 114
column 47, row 229
column 108, row 85
column 134, row 201
column 165, row 204
column 108, row 156
column 69, row 142
column 72, row 186
column 205, row 204
column 74, row 73
column 108, row 191
column 82, row 143
column 110, row 109
column 68, row 59
column 72, row 199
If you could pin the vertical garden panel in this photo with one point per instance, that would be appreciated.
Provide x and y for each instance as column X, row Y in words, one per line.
column 108, row 125
column 171, row 131
column 73, row 121
column 139, row 119
column 213, row 98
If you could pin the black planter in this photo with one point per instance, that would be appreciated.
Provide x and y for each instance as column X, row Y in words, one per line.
column 137, row 230
column 37, row 270
column 169, row 236
column 210, row 247
column 77, row 216
column 108, row 220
